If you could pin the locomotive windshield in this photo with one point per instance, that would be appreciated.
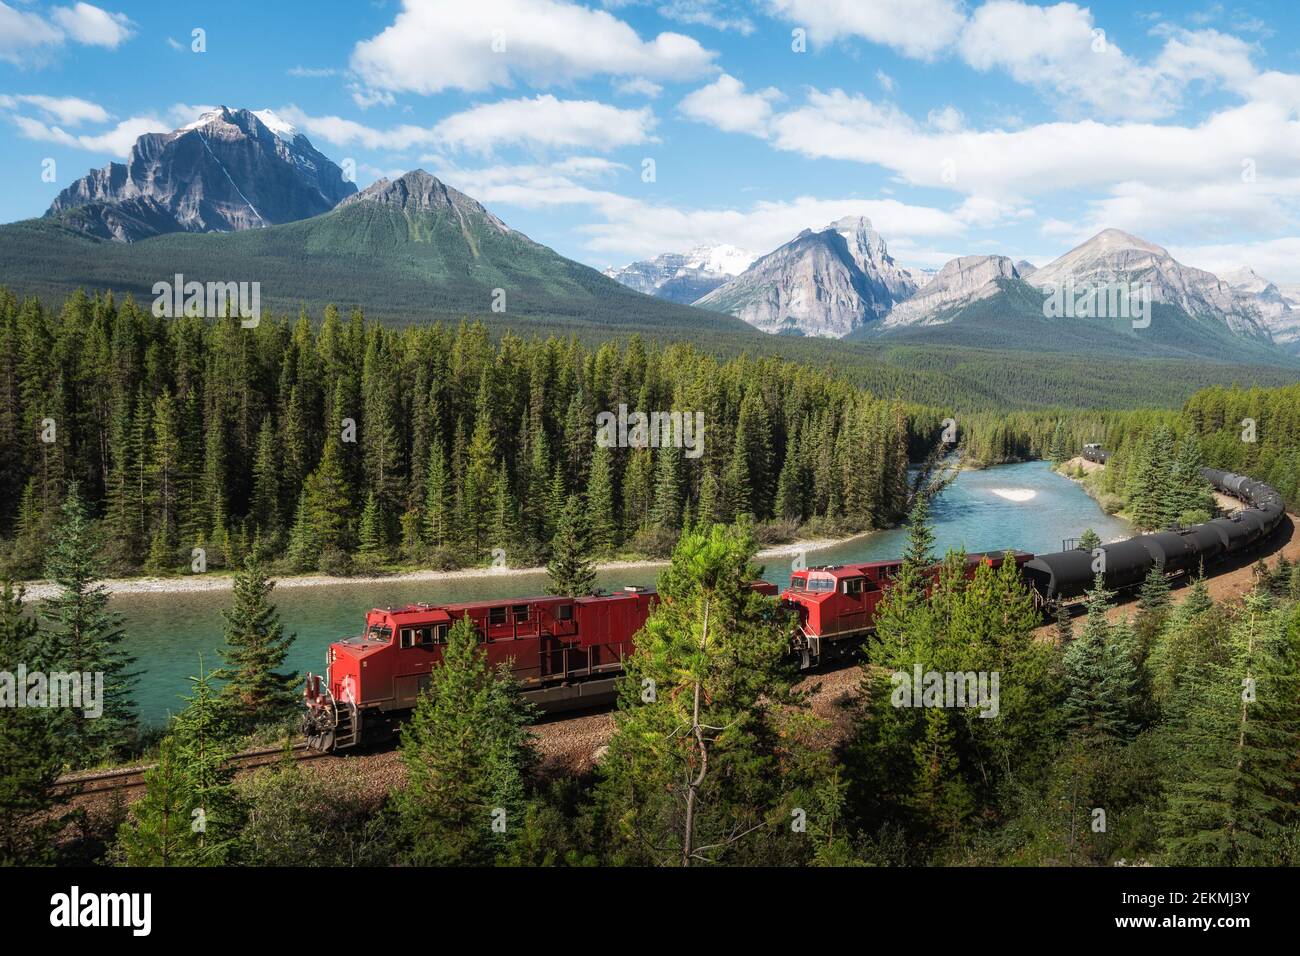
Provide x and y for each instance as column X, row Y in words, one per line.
column 379, row 633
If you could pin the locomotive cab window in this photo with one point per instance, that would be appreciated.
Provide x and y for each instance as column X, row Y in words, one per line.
column 564, row 612
column 496, row 616
column 440, row 633
column 854, row 586
column 520, row 612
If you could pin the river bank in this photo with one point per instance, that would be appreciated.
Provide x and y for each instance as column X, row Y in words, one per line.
column 224, row 581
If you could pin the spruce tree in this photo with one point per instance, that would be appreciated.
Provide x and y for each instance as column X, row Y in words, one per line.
column 704, row 765
column 31, row 749
column 1099, row 676
column 161, row 827
column 84, row 636
column 603, row 519
column 570, row 571
column 1089, row 541
column 203, row 744
column 370, row 533
column 255, row 646
column 466, row 749
column 1230, row 743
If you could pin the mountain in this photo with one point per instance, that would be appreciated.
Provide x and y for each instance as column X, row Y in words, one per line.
column 410, row 249
column 961, row 281
column 1116, row 256
column 1279, row 306
column 1192, row 313
column 229, row 170
column 684, row 278
column 826, row 283
column 1026, row 268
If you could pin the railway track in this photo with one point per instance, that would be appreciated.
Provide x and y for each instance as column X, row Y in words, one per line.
column 132, row 778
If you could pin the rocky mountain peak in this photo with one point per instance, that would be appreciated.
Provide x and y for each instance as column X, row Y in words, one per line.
column 228, row 170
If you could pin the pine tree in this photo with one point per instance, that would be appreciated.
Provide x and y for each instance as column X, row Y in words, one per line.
column 437, row 498
column 466, row 750
column 202, row 741
column 667, row 511
column 1090, row 540
column 570, row 571
column 705, row 763
column 1059, row 451
column 1230, row 744
column 255, row 646
column 160, row 830
column 600, row 503
column 1099, row 675
column 370, row 534
column 31, row 750
column 83, row 636
column 264, row 508
column 939, row 798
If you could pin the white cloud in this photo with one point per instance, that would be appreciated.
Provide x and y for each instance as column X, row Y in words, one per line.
column 346, row 132
column 68, row 110
column 28, row 39
column 25, row 37
column 1061, row 48
column 638, row 86
column 546, row 121
column 117, row 141
column 542, row 121
column 1275, row 259
column 92, row 26
column 435, row 45
column 706, row 13
column 885, row 80
column 725, row 104
column 916, row 28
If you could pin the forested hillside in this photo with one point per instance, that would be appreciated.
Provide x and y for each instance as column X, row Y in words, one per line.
column 352, row 441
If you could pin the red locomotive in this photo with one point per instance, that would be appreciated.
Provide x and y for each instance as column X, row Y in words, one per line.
column 566, row 653
column 835, row 606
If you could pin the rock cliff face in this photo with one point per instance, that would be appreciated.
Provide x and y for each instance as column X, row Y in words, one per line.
column 1115, row 256
column 229, row 170
column 826, row 283
column 961, row 281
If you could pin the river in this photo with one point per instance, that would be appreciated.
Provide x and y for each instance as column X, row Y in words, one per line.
column 1024, row 506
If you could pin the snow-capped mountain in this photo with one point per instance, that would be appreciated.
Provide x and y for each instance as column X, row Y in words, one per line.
column 826, row 283
column 226, row 171
column 1115, row 256
column 1278, row 305
column 684, row 277
column 961, row 281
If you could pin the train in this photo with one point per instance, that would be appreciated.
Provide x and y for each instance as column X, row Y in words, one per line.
column 568, row 653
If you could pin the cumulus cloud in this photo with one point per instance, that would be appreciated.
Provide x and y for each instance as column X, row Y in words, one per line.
column 92, row 26
column 68, row 110
column 915, row 28
column 546, row 121
column 725, row 104
column 1275, row 259
column 116, row 141
column 542, row 121
column 435, row 45
column 29, row 39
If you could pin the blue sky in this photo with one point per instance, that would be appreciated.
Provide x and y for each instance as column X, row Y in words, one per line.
column 957, row 127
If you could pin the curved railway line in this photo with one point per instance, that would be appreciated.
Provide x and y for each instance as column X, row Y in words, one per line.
column 132, row 778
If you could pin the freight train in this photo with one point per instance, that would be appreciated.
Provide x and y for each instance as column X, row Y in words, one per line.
column 568, row 652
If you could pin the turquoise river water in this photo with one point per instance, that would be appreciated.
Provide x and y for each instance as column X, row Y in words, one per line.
column 1023, row 506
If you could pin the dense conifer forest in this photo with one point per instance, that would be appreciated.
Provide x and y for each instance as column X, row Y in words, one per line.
column 346, row 442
